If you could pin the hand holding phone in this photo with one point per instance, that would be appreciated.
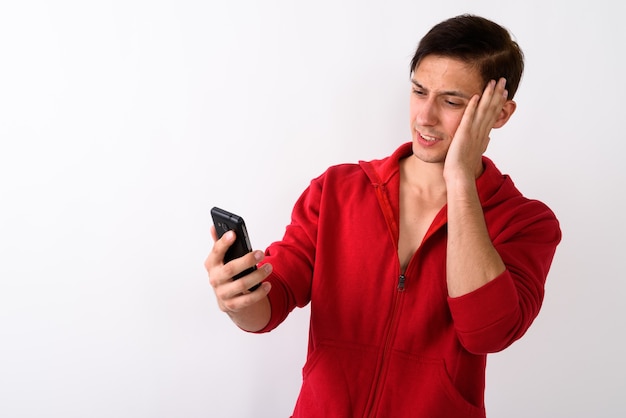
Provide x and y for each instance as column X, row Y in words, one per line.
column 225, row 221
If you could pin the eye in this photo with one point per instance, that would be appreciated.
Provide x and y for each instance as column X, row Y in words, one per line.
column 418, row 92
column 454, row 102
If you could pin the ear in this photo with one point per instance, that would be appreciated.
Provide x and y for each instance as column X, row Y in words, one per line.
column 506, row 112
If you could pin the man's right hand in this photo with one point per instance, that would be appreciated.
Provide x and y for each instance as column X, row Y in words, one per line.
column 249, row 310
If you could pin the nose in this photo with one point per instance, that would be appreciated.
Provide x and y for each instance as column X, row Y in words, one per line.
column 425, row 113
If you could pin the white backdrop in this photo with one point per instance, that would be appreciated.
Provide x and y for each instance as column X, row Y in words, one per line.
column 123, row 122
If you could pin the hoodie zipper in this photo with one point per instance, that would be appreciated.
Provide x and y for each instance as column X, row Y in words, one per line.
column 401, row 281
column 382, row 366
column 383, row 361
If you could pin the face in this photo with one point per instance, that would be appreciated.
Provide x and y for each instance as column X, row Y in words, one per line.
column 441, row 89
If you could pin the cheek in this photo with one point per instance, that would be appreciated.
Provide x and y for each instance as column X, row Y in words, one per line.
column 413, row 109
column 452, row 121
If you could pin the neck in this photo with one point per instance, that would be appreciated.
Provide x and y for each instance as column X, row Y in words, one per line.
column 424, row 178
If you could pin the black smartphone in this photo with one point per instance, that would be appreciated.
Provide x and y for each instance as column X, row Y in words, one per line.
column 224, row 221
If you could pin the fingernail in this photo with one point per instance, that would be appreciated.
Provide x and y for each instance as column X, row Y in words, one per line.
column 267, row 268
column 258, row 255
column 229, row 235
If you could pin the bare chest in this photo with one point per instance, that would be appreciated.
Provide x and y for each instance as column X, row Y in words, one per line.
column 416, row 216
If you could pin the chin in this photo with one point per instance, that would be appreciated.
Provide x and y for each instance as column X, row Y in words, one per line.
column 428, row 155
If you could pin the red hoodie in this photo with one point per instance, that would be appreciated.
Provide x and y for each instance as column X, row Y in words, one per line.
column 386, row 343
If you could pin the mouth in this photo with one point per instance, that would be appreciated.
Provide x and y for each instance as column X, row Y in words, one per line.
column 427, row 138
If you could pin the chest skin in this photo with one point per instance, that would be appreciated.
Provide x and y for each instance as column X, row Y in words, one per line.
column 417, row 211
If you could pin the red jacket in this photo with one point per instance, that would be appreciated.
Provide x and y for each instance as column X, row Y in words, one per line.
column 383, row 343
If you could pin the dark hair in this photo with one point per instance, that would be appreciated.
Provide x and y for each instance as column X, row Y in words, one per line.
column 479, row 42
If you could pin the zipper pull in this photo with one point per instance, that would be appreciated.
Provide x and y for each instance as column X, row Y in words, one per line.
column 401, row 280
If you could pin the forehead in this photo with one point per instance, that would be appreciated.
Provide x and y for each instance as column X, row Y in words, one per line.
column 441, row 74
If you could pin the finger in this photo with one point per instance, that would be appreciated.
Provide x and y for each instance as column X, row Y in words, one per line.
column 232, row 289
column 243, row 301
column 222, row 244
column 215, row 258
column 469, row 113
column 242, row 285
column 487, row 96
column 490, row 105
column 497, row 94
column 505, row 92
column 238, row 265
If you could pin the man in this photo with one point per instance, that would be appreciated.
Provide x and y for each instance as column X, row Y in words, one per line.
column 416, row 265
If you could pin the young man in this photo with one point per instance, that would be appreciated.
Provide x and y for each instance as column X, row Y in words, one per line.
column 416, row 265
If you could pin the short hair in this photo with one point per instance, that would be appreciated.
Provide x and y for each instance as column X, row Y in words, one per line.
column 476, row 41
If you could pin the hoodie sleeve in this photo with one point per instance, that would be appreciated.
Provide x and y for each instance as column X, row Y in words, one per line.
column 293, row 257
column 492, row 317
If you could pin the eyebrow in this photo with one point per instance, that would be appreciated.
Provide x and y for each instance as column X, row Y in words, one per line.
column 455, row 93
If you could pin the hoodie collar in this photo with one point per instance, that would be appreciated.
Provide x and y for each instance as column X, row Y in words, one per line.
column 381, row 171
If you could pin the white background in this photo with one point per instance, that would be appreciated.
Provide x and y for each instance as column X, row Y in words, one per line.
column 123, row 122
